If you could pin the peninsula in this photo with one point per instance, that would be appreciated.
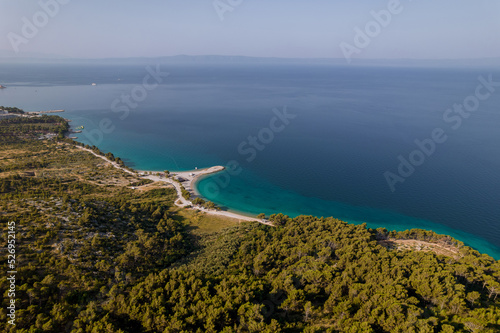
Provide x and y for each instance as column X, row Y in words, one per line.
column 182, row 181
column 102, row 247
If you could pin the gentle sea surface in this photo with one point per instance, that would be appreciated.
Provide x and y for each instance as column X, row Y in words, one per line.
column 350, row 126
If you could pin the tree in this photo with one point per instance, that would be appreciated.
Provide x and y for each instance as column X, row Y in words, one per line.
column 198, row 201
column 185, row 193
column 209, row 205
column 472, row 297
column 279, row 219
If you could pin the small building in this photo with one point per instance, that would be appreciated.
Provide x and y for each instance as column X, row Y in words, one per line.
column 48, row 136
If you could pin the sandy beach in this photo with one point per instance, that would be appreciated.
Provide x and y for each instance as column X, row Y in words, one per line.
column 190, row 178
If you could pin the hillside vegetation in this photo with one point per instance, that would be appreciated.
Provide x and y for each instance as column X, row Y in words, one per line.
column 94, row 255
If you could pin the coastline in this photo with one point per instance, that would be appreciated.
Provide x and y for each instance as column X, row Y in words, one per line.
column 195, row 182
column 191, row 177
column 476, row 243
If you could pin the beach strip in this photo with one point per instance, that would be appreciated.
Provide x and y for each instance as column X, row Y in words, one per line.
column 190, row 180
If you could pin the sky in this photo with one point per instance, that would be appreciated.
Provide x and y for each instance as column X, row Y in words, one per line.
column 418, row 29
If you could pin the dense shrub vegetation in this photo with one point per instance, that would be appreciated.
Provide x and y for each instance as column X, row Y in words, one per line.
column 95, row 256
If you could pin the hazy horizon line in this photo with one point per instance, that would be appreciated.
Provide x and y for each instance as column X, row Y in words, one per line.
column 4, row 54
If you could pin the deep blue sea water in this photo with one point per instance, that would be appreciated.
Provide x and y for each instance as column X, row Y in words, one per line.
column 350, row 125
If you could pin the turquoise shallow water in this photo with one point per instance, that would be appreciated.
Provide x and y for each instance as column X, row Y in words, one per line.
column 252, row 197
column 350, row 126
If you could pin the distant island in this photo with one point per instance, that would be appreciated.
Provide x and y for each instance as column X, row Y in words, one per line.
column 238, row 59
column 106, row 248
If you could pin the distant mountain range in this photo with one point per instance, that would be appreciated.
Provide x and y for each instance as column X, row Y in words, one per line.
column 10, row 57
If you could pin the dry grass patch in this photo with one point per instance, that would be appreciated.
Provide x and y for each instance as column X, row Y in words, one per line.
column 417, row 245
column 206, row 223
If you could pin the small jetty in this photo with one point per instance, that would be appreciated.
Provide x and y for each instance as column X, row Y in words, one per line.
column 52, row 111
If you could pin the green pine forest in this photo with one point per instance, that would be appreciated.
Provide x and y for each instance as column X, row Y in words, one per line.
column 95, row 255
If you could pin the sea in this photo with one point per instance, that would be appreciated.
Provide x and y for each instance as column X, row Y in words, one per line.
column 398, row 147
